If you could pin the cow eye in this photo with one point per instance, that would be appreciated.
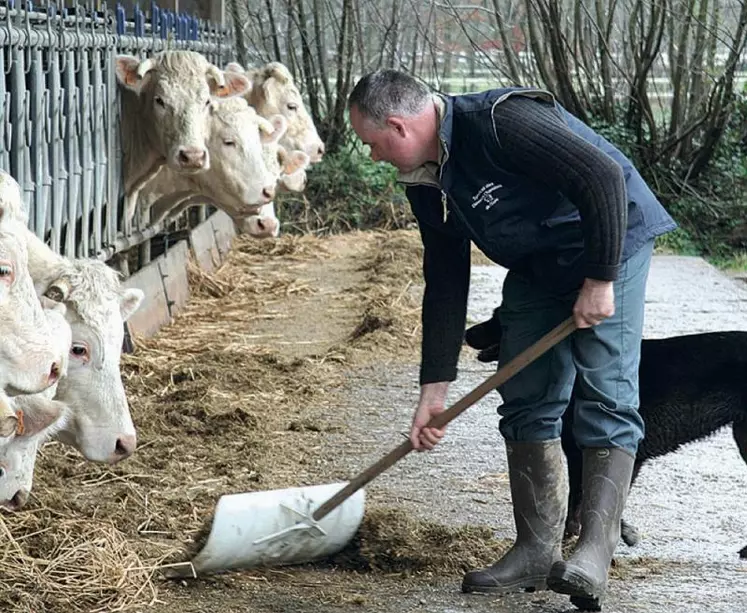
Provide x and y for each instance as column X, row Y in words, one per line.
column 292, row 106
column 229, row 143
column 159, row 101
column 80, row 350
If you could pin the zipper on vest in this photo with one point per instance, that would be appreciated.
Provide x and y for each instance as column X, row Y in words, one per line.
column 444, row 197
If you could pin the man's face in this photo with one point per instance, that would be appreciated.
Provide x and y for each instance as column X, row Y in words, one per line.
column 394, row 143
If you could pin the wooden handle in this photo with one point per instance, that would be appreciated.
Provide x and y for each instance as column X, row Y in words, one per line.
column 502, row 375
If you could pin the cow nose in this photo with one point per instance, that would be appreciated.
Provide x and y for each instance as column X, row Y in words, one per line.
column 192, row 157
column 19, row 500
column 124, row 448
column 320, row 151
column 54, row 373
column 268, row 193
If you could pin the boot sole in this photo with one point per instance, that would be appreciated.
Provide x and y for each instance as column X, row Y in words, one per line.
column 583, row 594
column 528, row 585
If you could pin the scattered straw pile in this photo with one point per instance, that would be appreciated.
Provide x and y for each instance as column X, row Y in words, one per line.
column 392, row 296
column 236, row 395
column 72, row 564
column 391, row 541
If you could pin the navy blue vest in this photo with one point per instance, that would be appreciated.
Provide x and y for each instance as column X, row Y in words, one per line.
column 517, row 223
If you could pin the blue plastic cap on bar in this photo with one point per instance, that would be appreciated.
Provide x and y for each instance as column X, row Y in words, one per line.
column 139, row 21
column 164, row 24
column 121, row 18
column 155, row 17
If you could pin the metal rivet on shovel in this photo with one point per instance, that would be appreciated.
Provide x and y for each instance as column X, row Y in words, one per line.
column 302, row 524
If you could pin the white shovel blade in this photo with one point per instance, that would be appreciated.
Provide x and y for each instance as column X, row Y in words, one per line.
column 275, row 528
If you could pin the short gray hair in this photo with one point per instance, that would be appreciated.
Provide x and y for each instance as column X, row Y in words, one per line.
column 381, row 94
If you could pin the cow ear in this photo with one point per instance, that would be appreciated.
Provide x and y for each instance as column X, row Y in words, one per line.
column 234, row 67
column 297, row 160
column 36, row 413
column 272, row 131
column 8, row 417
column 294, row 182
column 130, row 73
column 279, row 123
column 130, row 301
column 235, row 84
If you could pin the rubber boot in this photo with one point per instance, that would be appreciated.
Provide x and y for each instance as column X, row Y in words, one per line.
column 606, row 481
column 539, row 495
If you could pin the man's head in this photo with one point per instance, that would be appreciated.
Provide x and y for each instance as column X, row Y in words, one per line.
column 394, row 114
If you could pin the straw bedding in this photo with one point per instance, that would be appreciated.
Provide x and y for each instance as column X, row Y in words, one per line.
column 234, row 396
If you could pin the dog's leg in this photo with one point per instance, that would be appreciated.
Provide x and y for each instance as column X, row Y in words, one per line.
column 739, row 431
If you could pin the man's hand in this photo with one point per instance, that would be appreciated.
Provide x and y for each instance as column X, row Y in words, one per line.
column 595, row 302
column 432, row 401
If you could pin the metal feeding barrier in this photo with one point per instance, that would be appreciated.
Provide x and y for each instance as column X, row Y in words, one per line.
column 59, row 118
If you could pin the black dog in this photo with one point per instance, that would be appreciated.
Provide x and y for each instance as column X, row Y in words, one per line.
column 690, row 387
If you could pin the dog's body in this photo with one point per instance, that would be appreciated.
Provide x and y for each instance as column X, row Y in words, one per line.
column 690, row 387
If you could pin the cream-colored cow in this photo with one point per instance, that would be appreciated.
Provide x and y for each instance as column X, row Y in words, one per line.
column 166, row 103
column 273, row 92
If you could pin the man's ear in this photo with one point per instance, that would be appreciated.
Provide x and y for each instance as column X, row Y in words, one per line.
column 397, row 124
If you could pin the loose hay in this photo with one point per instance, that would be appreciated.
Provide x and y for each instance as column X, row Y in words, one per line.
column 70, row 564
column 224, row 406
column 391, row 541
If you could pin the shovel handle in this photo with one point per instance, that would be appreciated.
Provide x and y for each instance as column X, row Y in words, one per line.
column 502, row 375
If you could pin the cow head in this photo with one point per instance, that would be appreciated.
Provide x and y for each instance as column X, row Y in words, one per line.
column 273, row 91
column 32, row 356
column 99, row 425
column 37, row 418
column 176, row 90
column 239, row 180
column 263, row 224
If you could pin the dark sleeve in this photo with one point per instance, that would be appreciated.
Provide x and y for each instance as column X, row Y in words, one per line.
column 536, row 142
column 446, row 271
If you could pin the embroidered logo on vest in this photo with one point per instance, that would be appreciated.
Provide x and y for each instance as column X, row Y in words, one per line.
column 487, row 195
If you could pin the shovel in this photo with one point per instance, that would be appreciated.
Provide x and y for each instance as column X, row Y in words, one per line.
column 302, row 524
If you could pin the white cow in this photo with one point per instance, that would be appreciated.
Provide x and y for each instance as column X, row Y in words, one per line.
column 35, row 417
column 291, row 171
column 166, row 102
column 95, row 307
column 30, row 358
column 39, row 417
column 272, row 92
column 239, row 182
column 100, row 425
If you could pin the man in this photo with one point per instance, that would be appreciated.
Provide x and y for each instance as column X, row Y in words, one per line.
column 568, row 215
